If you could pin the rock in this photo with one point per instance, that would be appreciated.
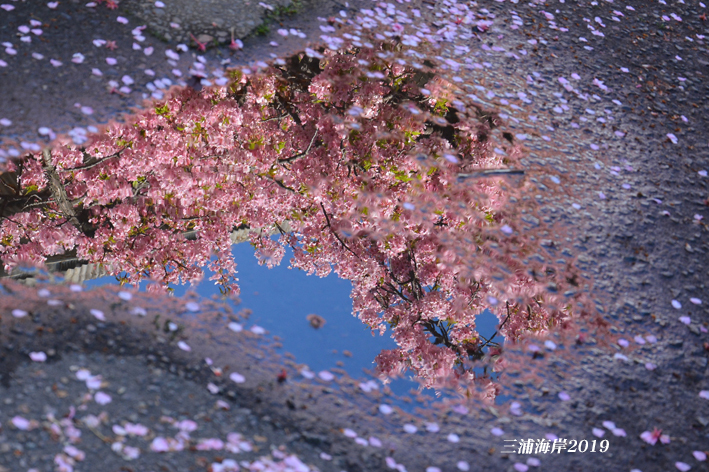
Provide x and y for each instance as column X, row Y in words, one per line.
column 205, row 38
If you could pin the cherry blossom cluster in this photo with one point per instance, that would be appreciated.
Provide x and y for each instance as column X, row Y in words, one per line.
column 382, row 175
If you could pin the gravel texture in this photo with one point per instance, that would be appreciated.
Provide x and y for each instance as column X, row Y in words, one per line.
column 208, row 21
column 71, row 97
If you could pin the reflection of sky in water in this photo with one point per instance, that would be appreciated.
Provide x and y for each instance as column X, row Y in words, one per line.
column 281, row 298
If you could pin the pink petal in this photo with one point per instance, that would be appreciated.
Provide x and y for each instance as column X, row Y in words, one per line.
column 257, row 330
column 192, row 306
column 236, row 377
column 102, row 398
column 325, row 375
column 186, row 425
column 21, row 423
column 409, row 428
column 211, row 444
column 38, row 356
column 159, row 444
column 648, row 438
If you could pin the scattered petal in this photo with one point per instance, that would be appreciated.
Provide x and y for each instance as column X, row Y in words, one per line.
column 159, row 444
column 236, row 327
column 257, row 330
column 409, row 428
column 192, row 306
column 325, row 375
column 236, row 377
column 38, row 356
column 21, row 423
column 102, row 398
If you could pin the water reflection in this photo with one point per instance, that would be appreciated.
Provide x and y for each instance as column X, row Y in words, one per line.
column 280, row 299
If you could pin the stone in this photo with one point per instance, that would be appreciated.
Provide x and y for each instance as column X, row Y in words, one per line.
column 205, row 38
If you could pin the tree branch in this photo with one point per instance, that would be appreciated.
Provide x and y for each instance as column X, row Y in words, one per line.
column 498, row 329
column 302, row 154
column 58, row 191
column 275, row 118
column 280, row 184
column 101, row 161
column 327, row 218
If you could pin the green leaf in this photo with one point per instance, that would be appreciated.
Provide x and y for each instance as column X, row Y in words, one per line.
column 163, row 110
column 30, row 189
